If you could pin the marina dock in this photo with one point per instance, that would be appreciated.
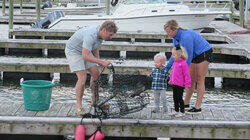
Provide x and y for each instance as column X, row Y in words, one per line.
column 60, row 119
column 123, row 43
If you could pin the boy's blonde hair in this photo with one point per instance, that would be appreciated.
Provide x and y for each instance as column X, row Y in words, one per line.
column 160, row 56
column 181, row 52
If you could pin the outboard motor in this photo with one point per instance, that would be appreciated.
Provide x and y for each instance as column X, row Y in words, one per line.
column 47, row 4
column 44, row 23
column 114, row 2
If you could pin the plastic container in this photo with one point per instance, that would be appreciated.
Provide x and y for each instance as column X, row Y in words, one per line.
column 37, row 94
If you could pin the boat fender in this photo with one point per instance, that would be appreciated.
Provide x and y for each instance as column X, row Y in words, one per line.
column 97, row 135
column 114, row 2
column 80, row 132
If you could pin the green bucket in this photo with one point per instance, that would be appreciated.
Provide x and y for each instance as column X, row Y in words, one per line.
column 37, row 94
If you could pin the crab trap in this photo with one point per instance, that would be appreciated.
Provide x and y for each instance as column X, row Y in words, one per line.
column 122, row 94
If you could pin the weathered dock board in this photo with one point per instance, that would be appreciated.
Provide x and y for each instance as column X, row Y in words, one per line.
column 18, row 20
column 27, row 15
column 230, row 49
column 24, row 5
column 60, row 65
column 43, row 33
column 60, row 120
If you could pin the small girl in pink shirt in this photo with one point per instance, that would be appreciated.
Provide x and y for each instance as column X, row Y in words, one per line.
column 179, row 78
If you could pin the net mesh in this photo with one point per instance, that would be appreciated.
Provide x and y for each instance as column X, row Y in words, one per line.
column 122, row 94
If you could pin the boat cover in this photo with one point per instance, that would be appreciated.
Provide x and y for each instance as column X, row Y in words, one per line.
column 51, row 17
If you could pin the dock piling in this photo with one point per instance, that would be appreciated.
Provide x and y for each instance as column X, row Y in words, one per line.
column 1, row 77
column 246, row 11
column 21, row 6
column 38, row 9
column 163, row 139
column 123, row 54
column 241, row 3
column 107, row 7
column 11, row 8
column 45, row 52
column 55, row 77
column 3, row 8
column 231, row 19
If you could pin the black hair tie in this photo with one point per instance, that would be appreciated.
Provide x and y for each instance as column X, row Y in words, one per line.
column 178, row 47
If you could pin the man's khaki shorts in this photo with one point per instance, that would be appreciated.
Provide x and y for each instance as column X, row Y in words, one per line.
column 76, row 62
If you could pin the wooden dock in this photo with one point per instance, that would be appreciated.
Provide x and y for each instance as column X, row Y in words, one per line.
column 60, row 120
column 123, row 42
column 24, row 5
column 230, row 49
column 60, row 65
column 18, row 20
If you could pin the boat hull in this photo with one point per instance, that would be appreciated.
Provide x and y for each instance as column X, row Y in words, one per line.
column 138, row 24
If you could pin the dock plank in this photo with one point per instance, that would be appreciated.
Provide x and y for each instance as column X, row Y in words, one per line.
column 145, row 113
column 239, row 115
column 72, row 111
column 217, row 113
column 188, row 117
column 52, row 111
column 230, row 49
column 9, row 108
column 65, row 109
column 242, row 115
column 165, row 116
column 228, row 114
column 57, row 118
column 207, row 114
column 23, row 112
column 136, row 115
column 60, row 65
column 19, row 32
column 20, row 111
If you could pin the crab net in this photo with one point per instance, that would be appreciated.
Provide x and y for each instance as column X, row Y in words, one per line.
column 122, row 94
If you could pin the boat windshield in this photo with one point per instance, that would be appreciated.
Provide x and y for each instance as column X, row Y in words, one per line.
column 144, row 1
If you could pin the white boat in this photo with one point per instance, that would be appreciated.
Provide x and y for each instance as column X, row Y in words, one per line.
column 143, row 16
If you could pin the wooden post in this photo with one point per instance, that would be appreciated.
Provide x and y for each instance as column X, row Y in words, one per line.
column 99, row 2
column 3, row 8
column 11, row 15
column 107, row 7
column 1, row 77
column 38, row 9
column 246, row 11
column 241, row 4
column 21, row 6
column 232, row 12
column 163, row 139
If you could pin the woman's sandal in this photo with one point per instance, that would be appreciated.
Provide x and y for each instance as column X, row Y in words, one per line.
column 80, row 111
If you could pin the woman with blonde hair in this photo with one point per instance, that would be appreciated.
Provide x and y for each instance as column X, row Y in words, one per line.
column 199, row 56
